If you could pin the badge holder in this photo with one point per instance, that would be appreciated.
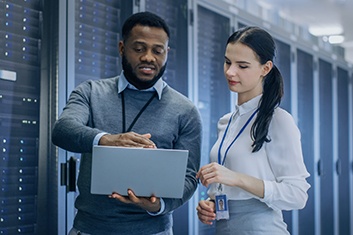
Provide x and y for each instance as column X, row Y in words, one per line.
column 221, row 201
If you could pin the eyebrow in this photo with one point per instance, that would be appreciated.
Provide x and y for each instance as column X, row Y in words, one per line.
column 145, row 44
column 239, row 62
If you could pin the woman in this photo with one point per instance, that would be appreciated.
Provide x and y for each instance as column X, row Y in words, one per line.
column 257, row 162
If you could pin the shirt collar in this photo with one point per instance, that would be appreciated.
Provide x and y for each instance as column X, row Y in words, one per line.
column 248, row 106
column 158, row 86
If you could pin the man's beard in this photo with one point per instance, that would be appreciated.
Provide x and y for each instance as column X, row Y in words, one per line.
column 134, row 80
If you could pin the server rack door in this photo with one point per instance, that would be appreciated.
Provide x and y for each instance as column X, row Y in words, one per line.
column 175, row 14
column 20, row 36
column 93, row 36
column 306, row 125
column 343, row 166
column 97, row 34
column 325, row 169
column 283, row 62
column 213, row 92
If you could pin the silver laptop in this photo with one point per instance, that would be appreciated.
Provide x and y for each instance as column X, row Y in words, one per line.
column 158, row 172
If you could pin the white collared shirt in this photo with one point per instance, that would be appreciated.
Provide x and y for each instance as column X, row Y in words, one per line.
column 278, row 163
column 158, row 86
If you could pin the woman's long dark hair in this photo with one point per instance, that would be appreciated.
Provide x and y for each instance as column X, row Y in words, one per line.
column 263, row 45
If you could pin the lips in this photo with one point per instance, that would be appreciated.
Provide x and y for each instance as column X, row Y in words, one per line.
column 147, row 66
column 233, row 82
column 147, row 69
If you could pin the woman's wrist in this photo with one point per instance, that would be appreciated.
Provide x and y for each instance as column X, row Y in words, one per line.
column 210, row 199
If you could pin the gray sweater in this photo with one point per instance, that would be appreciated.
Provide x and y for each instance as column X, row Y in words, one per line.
column 95, row 107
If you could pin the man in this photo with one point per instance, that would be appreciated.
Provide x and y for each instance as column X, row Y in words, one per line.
column 135, row 109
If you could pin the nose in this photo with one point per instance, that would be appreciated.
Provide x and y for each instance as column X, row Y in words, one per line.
column 231, row 71
column 148, row 56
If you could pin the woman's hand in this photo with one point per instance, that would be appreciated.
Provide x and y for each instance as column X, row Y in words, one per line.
column 206, row 211
column 215, row 173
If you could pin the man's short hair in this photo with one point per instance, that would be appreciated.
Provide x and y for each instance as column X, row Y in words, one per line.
column 144, row 19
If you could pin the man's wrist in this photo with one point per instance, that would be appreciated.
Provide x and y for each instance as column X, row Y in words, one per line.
column 98, row 138
column 162, row 207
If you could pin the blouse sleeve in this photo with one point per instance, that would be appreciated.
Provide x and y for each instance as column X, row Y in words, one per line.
column 289, row 189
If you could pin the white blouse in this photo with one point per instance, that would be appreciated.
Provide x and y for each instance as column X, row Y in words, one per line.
column 279, row 163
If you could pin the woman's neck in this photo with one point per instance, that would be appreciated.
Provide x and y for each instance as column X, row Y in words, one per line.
column 243, row 98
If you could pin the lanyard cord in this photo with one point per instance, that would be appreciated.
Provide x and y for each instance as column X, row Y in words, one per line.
column 138, row 115
column 224, row 136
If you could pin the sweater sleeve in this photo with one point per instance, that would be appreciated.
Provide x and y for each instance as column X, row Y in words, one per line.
column 289, row 189
column 72, row 131
column 189, row 138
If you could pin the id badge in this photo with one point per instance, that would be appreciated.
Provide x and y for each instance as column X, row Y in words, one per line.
column 222, row 211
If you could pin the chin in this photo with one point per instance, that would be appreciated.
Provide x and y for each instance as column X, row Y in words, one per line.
column 232, row 88
column 145, row 77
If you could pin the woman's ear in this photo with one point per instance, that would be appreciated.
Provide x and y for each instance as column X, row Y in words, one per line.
column 266, row 68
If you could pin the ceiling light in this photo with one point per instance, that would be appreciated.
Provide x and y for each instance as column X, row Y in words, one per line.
column 326, row 30
column 335, row 39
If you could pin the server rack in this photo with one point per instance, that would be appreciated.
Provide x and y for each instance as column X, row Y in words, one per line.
column 20, row 40
column 283, row 60
column 93, row 35
column 343, row 166
column 89, row 33
column 305, row 73
column 175, row 13
column 214, row 97
column 325, row 169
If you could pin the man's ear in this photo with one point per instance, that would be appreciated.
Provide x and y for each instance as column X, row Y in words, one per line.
column 266, row 68
column 121, row 48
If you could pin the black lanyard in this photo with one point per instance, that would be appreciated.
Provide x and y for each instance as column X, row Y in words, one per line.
column 138, row 115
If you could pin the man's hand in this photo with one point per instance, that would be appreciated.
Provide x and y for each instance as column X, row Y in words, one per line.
column 130, row 139
column 151, row 204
